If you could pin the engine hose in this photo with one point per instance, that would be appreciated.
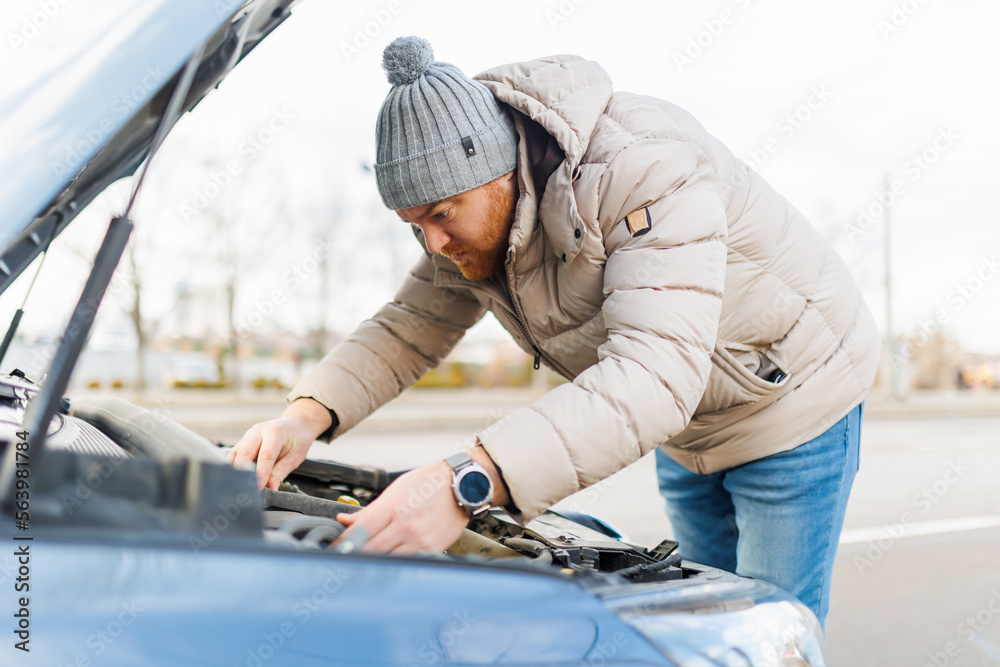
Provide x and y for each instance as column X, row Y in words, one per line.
column 306, row 504
column 301, row 525
column 310, row 505
column 650, row 568
column 353, row 541
column 324, row 534
column 312, row 531
column 542, row 552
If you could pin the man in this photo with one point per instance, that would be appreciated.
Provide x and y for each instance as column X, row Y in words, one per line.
column 696, row 312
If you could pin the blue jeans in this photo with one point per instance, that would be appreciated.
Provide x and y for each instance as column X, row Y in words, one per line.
column 777, row 518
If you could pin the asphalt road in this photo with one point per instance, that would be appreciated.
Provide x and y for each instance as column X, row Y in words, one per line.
column 917, row 580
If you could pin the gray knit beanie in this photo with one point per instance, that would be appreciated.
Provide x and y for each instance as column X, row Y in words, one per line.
column 439, row 132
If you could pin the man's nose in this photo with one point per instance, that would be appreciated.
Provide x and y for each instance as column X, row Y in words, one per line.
column 435, row 238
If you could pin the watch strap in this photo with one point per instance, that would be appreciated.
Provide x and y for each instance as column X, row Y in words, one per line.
column 459, row 460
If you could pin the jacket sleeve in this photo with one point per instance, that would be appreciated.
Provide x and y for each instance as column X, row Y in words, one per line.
column 392, row 350
column 662, row 303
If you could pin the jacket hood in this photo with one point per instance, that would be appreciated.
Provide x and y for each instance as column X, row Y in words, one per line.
column 566, row 96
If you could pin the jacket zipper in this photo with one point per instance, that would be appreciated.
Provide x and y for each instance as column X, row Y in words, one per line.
column 499, row 296
column 519, row 315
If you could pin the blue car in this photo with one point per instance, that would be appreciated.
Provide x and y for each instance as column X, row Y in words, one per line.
column 127, row 538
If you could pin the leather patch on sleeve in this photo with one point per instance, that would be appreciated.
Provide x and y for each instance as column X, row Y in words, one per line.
column 638, row 222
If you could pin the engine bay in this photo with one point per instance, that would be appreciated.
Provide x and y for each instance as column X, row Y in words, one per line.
column 108, row 463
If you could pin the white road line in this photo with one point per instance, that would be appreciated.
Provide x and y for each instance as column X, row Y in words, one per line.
column 900, row 530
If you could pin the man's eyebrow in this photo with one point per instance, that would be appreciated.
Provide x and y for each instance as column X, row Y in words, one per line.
column 426, row 210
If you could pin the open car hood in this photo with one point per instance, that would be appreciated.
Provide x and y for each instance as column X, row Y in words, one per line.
column 83, row 110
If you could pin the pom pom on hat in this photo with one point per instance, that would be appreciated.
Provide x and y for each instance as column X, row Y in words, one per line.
column 406, row 59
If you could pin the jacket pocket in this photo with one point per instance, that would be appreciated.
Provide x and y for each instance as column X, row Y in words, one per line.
column 739, row 377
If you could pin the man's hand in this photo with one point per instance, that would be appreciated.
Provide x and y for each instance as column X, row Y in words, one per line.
column 280, row 446
column 418, row 511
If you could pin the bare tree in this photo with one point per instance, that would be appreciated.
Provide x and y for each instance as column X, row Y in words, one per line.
column 324, row 218
column 241, row 222
column 133, row 308
column 126, row 291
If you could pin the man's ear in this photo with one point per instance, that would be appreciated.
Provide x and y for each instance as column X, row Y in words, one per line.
column 510, row 181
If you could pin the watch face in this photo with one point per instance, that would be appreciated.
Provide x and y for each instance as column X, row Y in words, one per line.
column 474, row 487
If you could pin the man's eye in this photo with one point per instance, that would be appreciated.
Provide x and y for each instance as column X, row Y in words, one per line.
column 443, row 215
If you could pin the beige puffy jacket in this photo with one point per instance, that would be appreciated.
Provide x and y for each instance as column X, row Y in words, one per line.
column 692, row 306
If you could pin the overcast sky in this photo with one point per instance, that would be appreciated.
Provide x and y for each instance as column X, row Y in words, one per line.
column 827, row 101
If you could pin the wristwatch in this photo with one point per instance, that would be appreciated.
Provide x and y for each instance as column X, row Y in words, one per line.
column 471, row 484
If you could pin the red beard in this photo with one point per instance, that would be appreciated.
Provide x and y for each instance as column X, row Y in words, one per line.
column 480, row 261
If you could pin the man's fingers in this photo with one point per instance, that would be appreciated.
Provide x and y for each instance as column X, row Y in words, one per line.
column 273, row 482
column 264, row 465
column 283, row 468
column 384, row 542
column 354, row 541
column 386, row 535
column 348, row 519
column 404, row 550
column 246, row 449
column 374, row 523
column 267, row 457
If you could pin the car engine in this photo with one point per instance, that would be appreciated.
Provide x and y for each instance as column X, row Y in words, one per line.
column 139, row 470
